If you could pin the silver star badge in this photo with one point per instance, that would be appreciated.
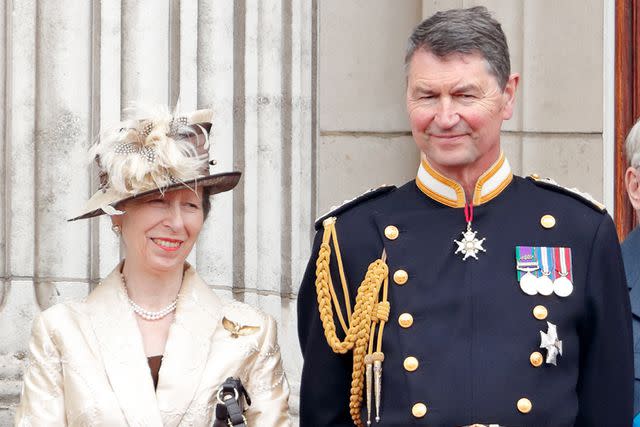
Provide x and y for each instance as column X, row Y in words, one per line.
column 550, row 341
column 470, row 245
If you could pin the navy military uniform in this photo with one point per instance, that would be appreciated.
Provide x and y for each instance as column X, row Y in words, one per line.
column 462, row 342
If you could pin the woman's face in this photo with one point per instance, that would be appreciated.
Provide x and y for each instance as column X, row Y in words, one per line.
column 160, row 231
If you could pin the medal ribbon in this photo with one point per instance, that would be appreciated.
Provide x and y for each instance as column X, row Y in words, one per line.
column 564, row 255
column 544, row 257
column 468, row 212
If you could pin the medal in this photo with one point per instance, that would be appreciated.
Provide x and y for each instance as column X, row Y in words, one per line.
column 528, row 284
column 562, row 286
column 544, row 285
column 469, row 245
column 550, row 341
column 526, row 265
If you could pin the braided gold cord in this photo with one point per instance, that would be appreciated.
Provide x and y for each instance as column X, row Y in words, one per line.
column 367, row 310
column 370, row 287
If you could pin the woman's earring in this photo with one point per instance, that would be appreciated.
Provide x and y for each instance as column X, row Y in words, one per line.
column 116, row 230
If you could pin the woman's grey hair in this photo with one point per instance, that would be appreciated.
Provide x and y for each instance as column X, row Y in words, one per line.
column 464, row 31
column 206, row 202
column 632, row 145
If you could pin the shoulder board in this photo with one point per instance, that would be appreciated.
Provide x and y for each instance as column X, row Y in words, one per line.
column 585, row 198
column 348, row 204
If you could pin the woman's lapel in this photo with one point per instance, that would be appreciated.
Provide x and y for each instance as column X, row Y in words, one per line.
column 122, row 351
column 188, row 348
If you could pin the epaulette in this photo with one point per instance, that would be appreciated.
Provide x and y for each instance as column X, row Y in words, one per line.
column 348, row 204
column 585, row 198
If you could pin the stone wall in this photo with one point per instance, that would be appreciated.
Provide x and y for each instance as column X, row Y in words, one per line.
column 68, row 68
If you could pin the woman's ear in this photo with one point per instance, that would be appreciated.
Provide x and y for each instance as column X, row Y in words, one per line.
column 116, row 224
column 632, row 182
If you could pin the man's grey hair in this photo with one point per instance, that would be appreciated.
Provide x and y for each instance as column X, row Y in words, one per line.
column 464, row 31
column 632, row 145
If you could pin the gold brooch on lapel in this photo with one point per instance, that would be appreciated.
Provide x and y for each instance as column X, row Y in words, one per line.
column 236, row 329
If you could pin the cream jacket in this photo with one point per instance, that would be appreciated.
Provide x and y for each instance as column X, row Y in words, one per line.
column 88, row 368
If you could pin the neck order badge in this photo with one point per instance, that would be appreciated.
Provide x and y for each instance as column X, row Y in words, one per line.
column 469, row 245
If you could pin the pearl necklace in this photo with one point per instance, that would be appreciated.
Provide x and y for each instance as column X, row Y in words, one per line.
column 147, row 314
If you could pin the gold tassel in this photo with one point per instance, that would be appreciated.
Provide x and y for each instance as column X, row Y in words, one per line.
column 378, row 358
column 368, row 360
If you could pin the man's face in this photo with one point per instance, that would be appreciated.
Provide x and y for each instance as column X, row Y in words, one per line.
column 456, row 109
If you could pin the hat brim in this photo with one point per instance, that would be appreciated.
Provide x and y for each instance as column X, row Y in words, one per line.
column 216, row 183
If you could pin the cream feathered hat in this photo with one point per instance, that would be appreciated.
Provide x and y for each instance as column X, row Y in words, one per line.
column 159, row 153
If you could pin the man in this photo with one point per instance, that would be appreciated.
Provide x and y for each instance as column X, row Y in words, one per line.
column 631, row 255
column 480, row 297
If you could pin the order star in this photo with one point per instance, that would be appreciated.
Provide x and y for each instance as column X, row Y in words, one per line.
column 469, row 245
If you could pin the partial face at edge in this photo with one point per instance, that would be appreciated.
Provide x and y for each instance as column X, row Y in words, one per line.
column 456, row 108
column 160, row 231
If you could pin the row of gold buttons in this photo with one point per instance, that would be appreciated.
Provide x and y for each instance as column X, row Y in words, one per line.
column 536, row 359
column 405, row 320
column 539, row 312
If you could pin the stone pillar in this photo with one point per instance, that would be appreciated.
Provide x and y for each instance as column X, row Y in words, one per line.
column 67, row 71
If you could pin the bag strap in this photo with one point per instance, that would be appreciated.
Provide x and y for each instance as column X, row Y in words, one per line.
column 230, row 407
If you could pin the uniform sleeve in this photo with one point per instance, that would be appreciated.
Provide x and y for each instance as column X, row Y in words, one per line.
column 605, row 384
column 325, row 384
column 42, row 398
column 268, row 387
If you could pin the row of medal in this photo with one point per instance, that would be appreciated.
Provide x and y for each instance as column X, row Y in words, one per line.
column 544, row 270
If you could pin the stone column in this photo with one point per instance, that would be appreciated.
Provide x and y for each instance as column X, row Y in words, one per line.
column 67, row 71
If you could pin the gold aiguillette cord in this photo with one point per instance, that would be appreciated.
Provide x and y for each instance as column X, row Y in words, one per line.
column 368, row 311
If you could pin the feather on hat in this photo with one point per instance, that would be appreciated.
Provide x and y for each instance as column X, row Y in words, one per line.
column 162, row 152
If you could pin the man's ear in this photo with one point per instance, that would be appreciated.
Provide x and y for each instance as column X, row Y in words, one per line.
column 632, row 183
column 509, row 94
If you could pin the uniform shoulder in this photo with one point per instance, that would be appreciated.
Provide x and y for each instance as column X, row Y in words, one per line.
column 347, row 205
column 550, row 184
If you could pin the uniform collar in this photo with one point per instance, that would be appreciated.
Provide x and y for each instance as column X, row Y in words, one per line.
column 450, row 193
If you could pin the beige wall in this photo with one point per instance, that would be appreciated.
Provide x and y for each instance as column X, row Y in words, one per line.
column 556, row 131
column 364, row 135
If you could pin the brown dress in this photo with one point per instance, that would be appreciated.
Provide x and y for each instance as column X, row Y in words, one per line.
column 154, row 367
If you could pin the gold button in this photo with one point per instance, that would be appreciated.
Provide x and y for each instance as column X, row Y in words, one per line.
column 391, row 231
column 548, row 221
column 400, row 277
column 419, row 410
column 524, row 405
column 405, row 320
column 536, row 358
column 535, row 176
column 540, row 312
column 411, row 363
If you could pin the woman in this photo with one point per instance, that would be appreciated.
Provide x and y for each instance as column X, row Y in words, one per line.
column 152, row 344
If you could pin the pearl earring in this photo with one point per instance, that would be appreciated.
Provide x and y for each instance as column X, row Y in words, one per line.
column 116, row 230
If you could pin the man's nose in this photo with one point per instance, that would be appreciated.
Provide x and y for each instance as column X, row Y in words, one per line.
column 446, row 116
